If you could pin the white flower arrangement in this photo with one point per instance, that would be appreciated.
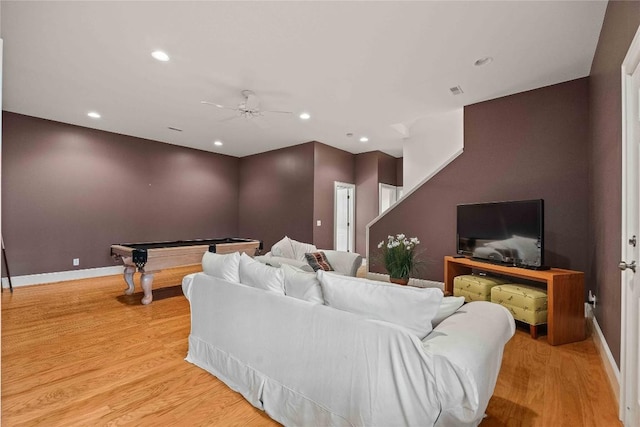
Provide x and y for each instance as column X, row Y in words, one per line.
column 399, row 255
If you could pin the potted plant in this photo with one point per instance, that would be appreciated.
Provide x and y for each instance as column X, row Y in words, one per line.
column 399, row 257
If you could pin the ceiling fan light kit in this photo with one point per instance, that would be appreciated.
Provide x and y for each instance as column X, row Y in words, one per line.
column 249, row 107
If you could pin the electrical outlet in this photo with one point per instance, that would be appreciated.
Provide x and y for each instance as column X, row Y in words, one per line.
column 319, row 223
column 592, row 299
column 76, row 262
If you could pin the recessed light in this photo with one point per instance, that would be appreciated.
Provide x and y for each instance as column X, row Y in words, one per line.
column 217, row 143
column 305, row 116
column 364, row 139
column 160, row 55
column 93, row 115
column 483, row 61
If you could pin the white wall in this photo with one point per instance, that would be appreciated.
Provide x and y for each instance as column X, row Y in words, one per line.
column 433, row 143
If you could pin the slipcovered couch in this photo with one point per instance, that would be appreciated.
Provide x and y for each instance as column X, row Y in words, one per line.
column 350, row 352
column 292, row 252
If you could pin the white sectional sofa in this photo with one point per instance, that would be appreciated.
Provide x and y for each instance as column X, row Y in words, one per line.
column 292, row 252
column 324, row 349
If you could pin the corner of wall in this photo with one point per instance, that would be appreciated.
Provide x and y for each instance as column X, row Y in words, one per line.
column 434, row 142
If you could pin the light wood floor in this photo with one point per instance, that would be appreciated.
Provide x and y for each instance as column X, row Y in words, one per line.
column 81, row 353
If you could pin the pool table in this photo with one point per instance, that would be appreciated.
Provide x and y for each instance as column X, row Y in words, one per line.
column 150, row 258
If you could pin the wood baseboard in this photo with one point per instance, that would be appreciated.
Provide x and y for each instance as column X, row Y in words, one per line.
column 610, row 367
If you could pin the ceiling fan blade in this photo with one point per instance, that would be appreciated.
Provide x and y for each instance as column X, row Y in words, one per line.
column 218, row 105
column 261, row 123
column 276, row 111
column 228, row 119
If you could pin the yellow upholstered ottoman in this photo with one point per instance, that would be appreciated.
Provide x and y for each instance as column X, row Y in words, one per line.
column 475, row 288
column 526, row 303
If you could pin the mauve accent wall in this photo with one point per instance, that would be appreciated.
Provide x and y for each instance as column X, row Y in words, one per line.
column 525, row 146
column 70, row 192
column 387, row 169
column 276, row 195
column 620, row 24
column 366, row 175
column 330, row 165
column 372, row 168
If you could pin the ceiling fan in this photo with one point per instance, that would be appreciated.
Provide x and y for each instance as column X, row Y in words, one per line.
column 249, row 107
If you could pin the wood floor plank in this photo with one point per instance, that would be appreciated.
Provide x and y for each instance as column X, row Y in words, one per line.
column 81, row 353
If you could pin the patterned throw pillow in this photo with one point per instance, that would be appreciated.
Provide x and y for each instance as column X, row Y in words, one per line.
column 318, row 261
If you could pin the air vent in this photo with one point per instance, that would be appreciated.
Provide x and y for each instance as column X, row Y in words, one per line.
column 176, row 129
column 456, row 90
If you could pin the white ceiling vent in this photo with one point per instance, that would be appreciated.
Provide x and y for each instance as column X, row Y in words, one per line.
column 456, row 90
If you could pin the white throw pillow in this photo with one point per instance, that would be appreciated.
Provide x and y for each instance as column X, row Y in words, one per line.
column 300, row 249
column 283, row 248
column 448, row 306
column 412, row 308
column 222, row 266
column 301, row 284
column 258, row 275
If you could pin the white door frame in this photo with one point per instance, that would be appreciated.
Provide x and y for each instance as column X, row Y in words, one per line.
column 629, row 330
column 382, row 186
column 351, row 247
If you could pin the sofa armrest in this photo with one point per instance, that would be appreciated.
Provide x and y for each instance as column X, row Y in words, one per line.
column 277, row 261
column 346, row 263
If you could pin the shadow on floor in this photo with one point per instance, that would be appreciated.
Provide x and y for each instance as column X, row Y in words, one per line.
column 158, row 294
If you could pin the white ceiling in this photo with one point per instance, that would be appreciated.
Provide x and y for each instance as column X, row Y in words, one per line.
column 356, row 67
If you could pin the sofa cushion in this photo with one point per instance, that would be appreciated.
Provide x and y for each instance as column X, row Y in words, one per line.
column 346, row 263
column 300, row 249
column 283, row 249
column 222, row 266
column 302, row 284
column 277, row 261
column 261, row 276
column 412, row 308
column 448, row 306
column 318, row 261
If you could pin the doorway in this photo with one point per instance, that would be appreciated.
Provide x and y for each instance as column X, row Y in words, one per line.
column 630, row 339
column 388, row 196
column 344, row 208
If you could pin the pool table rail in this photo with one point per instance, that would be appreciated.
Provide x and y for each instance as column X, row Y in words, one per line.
column 150, row 258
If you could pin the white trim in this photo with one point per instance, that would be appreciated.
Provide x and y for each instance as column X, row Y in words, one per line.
column 61, row 276
column 352, row 214
column 410, row 192
column 427, row 178
column 609, row 363
column 388, row 187
column 629, row 64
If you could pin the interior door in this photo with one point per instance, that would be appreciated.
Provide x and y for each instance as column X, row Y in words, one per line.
column 344, row 226
column 387, row 196
column 630, row 349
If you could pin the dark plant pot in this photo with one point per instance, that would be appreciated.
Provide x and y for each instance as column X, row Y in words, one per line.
column 398, row 280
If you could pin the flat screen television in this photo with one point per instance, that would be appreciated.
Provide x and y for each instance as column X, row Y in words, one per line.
column 510, row 233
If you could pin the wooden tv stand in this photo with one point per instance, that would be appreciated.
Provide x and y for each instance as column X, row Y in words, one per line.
column 565, row 294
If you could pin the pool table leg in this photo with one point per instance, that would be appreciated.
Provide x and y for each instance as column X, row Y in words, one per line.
column 129, row 270
column 146, row 280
